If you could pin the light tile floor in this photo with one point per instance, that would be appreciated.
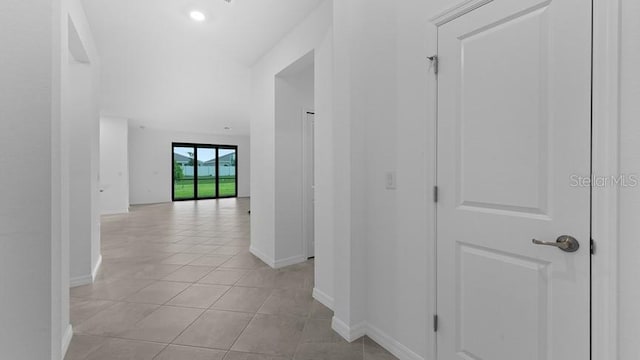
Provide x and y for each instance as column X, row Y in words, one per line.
column 177, row 282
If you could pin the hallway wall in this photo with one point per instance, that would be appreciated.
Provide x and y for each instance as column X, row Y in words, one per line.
column 78, row 207
column 303, row 39
column 114, row 166
column 84, row 162
column 27, row 246
column 324, row 211
column 294, row 95
column 384, row 237
column 150, row 161
column 390, row 87
column 34, row 213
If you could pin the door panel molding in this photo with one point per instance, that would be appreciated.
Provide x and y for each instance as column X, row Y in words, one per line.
column 457, row 11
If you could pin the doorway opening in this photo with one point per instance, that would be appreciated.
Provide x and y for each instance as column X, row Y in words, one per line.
column 203, row 171
column 308, row 183
column 294, row 151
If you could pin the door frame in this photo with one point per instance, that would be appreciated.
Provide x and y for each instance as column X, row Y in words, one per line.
column 227, row 147
column 305, row 201
column 195, row 147
column 605, row 116
column 605, row 150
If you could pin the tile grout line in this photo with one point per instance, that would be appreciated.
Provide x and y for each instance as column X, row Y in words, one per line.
column 189, row 236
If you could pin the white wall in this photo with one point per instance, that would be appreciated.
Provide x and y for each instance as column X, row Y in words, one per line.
column 79, row 156
column 150, row 161
column 303, row 39
column 344, row 322
column 84, row 215
column 34, row 212
column 114, row 166
column 26, row 243
column 268, row 218
column 82, row 128
column 293, row 97
column 388, row 83
column 324, row 165
column 629, row 199
column 381, row 86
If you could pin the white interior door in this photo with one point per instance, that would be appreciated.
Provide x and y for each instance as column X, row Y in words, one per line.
column 514, row 114
column 308, row 179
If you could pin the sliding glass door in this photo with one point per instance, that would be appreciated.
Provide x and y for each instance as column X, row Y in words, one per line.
column 207, row 178
column 184, row 172
column 203, row 171
column 228, row 172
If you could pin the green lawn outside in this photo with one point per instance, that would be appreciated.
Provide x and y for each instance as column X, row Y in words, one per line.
column 206, row 187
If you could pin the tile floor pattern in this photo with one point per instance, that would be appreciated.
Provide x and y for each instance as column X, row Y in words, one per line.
column 177, row 282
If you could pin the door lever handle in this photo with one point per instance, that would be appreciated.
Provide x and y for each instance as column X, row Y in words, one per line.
column 565, row 243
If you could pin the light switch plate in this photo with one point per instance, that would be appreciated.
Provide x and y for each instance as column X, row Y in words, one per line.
column 390, row 180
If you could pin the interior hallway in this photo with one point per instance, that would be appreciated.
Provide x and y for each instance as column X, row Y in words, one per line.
column 178, row 282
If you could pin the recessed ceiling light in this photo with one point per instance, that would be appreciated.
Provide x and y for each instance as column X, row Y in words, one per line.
column 197, row 15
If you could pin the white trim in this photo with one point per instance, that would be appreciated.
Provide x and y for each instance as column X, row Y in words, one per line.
column 289, row 261
column 86, row 279
column 458, row 10
column 277, row 264
column 96, row 268
column 66, row 340
column 323, row 298
column 80, row 281
column 390, row 344
column 432, row 220
column 305, row 173
column 115, row 212
column 262, row 256
column 348, row 333
column 605, row 149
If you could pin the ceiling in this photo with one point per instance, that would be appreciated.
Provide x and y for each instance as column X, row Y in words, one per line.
column 163, row 70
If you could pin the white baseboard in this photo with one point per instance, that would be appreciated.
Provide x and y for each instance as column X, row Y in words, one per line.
column 96, row 268
column 392, row 345
column 115, row 212
column 277, row 264
column 86, row 279
column 348, row 333
column 66, row 340
column 262, row 256
column 323, row 298
column 80, row 280
column 290, row 261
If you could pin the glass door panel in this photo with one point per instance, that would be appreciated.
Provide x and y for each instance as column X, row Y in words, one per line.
column 202, row 171
column 183, row 173
column 228, row 172
column 207, row 164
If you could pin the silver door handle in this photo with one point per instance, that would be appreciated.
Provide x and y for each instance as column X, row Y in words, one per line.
column 565, row 243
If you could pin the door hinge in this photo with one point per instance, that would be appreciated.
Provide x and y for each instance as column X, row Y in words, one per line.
column 435, row 323
column 593, row 247
column 435, row 194
column 435, row 61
